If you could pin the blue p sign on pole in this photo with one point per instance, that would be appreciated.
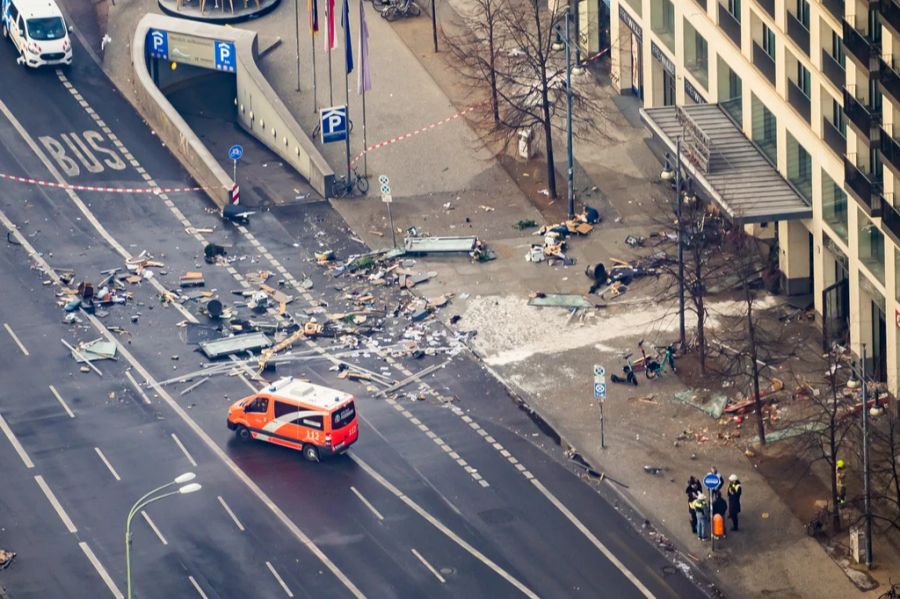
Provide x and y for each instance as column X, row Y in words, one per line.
column 235, row 152
column 334, row 124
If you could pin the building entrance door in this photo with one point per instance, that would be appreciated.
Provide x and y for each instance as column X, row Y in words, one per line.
column 836, row 314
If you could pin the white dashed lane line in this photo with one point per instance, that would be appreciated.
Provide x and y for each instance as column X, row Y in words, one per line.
column 278, row 578
column 62, row 402
column 108, row 465
column 230, row 513
column 70, row 526
column 367, row 503
column 152, row 525
column 15, row 443
column 107, row 579
column 197, row 588
column 184, row 450
column 15, row 338
column 431, row 568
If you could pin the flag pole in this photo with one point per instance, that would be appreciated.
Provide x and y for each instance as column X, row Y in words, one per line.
column 330, row 83
column 297, row 37
column 348, row 60
column 347, row 98
column 365, row 140
column 312, row 42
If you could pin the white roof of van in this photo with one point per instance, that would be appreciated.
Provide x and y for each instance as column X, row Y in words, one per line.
column 309, row 393
column 31, row 9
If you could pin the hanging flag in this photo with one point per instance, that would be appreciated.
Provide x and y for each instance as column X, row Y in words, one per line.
column 364, row 83
column 348, row 42
column 312, row 11
column 331, row 39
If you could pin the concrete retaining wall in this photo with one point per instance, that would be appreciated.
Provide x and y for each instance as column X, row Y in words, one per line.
column 260, row 112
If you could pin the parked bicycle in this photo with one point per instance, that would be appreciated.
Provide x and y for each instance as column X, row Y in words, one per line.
column 343, row 188
column 893, row 592
column 397, row 9
column 655, row 366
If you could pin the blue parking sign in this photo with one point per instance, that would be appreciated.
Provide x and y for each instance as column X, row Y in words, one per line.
column 158, row 44
column 225, row 56
column 334, row 124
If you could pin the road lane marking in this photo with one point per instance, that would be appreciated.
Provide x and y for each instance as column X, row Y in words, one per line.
column 593, row 539
column 15, row 443
column 230, row 513
column 440, row 526
column 55, row 503
column 168, row 399
column 101, row 570
column 278, row 578
column 429, row 566
column 135, row 384
column 16, row 339
column 108, row 465
column 366, row 503
column 61, row 401
column 150, row 523
column 184, row 449
column 197, row 588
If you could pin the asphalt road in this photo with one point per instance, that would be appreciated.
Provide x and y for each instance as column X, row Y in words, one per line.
column 437, row 499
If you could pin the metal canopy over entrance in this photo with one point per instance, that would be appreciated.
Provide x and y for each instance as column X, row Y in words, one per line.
column 729, row 168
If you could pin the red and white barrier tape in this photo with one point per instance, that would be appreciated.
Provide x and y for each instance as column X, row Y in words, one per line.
column 75, row 187
column 463, row 112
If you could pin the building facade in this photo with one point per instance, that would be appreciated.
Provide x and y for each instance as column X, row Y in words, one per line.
column 815, row 86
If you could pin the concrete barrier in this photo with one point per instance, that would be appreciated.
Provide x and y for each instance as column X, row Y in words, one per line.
column 259, row 109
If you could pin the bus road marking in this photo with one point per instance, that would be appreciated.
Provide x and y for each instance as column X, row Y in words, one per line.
column 367, row 503
column 16, row 339
column 70, row 526
column 230, row 513
column 278, row 578
column 184, row 449
column 15, row 443
column 429, row 566
column 62, row 402
column 108, row 465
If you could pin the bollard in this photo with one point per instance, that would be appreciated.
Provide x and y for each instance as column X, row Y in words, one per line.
column 718, row 527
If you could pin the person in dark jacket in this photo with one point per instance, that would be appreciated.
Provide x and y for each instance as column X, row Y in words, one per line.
column 734, row 500
column 719, row 506
column 692, row 490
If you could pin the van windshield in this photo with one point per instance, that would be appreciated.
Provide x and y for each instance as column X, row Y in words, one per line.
column 46, row 28
column 343, row 417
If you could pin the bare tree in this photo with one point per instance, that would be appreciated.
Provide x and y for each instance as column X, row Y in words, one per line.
column 526, row 80
column 476, row 49
column 885, row 468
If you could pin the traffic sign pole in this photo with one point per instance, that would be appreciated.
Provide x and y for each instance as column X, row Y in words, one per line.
column 600, row 396
column 235, row 152
column 385, row 184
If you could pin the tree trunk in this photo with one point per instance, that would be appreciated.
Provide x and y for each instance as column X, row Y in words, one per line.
column 833, row 450
column 754, row 367
column 697, row 294
column 548, row 148
column 547, row 125
column 495, row 102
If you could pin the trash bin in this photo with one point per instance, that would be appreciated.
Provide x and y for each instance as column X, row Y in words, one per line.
column 525, row 137
column 858, row 544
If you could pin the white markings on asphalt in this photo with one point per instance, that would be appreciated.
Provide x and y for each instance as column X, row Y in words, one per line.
column 61, row 401
column 197, row 588
column 195, row 428
column 437, row 440
column 101, row 571
column 108, row 465
column 593, row 539
column 184, row 449
column 429, row 566
column 230, row 513
column 446, row 531
column 366, row 503
column 15, row 443
column 136, row 386
column 152, row 525
column 278, row 578
column 70, row 526
column 16, row 339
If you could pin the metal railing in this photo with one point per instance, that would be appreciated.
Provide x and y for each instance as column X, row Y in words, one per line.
column 889, row 79
column 834, row 138
column 859, row 46
column 890, row 150
column 862, row 117
column 863, row 188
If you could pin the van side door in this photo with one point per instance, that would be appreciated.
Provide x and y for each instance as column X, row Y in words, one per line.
column 257, row 413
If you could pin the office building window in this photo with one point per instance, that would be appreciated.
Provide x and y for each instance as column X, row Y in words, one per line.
column 803, row 79
column 765, row 129
column 696, row 54
column 799, row 167
column 834, row 206
column 803, row 13
column 768, row 41
column 837, row 117
column 837, row 48
column 734, row 7
column 871, row 245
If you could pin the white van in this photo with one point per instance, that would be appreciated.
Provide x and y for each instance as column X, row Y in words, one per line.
column 38, row 31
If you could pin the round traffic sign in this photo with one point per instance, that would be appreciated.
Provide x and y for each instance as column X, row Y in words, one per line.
column 235, row 152
column 383, row 179
column 599, row 370
column 712, row 481
column 385, row 189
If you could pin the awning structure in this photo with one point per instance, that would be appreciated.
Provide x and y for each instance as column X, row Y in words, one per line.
column 726, row 165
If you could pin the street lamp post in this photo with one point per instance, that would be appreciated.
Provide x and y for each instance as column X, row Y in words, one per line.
column 146, row 500
column 865, row 452
column 570, row 161
column 667, row 175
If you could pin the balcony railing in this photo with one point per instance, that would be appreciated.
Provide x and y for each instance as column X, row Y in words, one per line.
column 835, row 7
column 730, row 25
column 890, row 221
column 861, row 116
column 859, row 47
column 764, row 62
column 890, row 151
column 798, row 32
column 768, row 6
column 890, row 14
column 833, row 69
column 890, row 80
column 863, row 189
column 798, row 99
column 834, row 138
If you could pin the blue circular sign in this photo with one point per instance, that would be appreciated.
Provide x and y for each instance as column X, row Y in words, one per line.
column 235, row 152
column 712, row 480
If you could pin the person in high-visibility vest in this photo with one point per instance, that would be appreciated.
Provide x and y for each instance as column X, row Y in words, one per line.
column 734, row 500
column 840, row 473
column 702, row 509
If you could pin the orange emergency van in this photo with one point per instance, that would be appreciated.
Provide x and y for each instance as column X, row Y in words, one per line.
column 311, row 418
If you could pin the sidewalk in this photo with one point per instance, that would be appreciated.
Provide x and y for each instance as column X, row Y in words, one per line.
column 538, row 353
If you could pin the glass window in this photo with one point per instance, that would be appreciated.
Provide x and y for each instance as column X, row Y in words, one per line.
column 765, row 129
column 803, row 79
column 803, row 12
column 696, row 54
column 46, row 29
column 834, row 206
column 837, row 48
column 730, row 92
column 768, row 41
column 312, row 421
column 799, row 167
column 837, row 117
column 259, row 405
column 343, row 417
column 662, row 21
column 734, row 7
column 282, row 408
column 871, row 246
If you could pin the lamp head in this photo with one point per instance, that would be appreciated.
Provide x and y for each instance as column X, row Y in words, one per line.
column 189, row 488
column 185, row 478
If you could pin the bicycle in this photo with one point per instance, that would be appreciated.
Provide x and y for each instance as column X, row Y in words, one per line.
column 628, row 369
column 893, row 592
column 342, row 188
column 400, row 8
column 654, row 367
